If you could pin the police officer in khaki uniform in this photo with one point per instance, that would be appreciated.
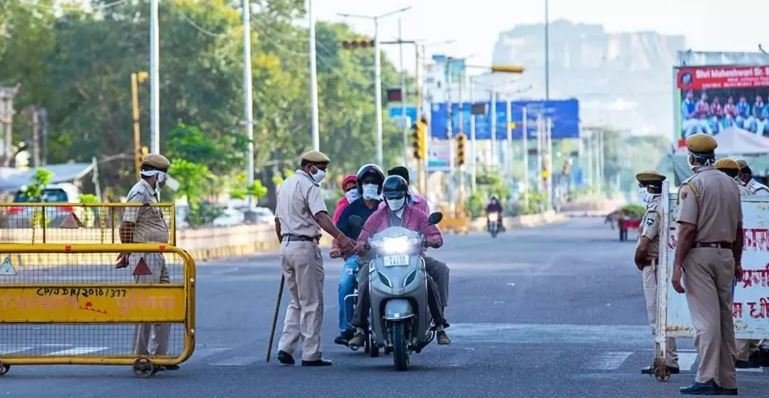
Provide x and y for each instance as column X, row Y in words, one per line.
column 299, row 216
column 745, row 348
column 646, row 259
column 708, row 258
column 146, row 225
column 731, row 168
column 746, row 176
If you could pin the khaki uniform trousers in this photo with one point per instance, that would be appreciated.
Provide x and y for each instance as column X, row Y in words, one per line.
column 151, row 339
column 708, row 276
column 650, row 294
column 303, row 271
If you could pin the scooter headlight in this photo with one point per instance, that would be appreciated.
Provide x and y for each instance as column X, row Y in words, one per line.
column 398, row 245
column 493, row 216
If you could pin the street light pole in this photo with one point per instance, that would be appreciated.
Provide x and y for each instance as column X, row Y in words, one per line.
column 247, row 94
column 377, row 76
column 403, row 95
column 547, row 50
column 154, row 79
column 313, row 81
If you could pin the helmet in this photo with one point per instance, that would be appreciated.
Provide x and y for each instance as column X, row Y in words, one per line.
column 369, row 170
column 395, row 187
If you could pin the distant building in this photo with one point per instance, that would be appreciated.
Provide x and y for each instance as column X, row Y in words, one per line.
column 621, row 79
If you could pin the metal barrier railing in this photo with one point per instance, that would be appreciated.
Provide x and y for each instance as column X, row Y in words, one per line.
column 84, row 311
column 73, row 222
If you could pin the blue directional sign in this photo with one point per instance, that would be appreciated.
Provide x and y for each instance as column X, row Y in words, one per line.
column 411, row 112
column 564, row 115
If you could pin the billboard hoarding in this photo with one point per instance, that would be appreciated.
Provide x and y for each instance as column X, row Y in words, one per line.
column 711, row 99
column 564, row 113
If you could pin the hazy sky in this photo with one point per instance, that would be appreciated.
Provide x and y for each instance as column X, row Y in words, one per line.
column 719, row 25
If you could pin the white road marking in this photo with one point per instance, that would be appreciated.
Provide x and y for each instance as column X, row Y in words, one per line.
column 4, row 350
column 609, row 360
column 236, row 361
column 77, row 351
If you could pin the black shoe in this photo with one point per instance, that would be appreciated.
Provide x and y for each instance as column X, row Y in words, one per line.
column 746, row 365
column 285, row 358
column 344, row 337
column 172, row 367
column 443, row 338
column 709, row 388
column 727, row 391
column 319, row 362
column 649, row 370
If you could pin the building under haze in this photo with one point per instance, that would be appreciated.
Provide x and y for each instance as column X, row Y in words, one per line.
column 621, row 79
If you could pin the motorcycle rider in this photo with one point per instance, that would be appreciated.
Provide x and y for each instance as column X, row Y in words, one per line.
column 438, row 270
column 369, row 187
column 494, row 207
column 349, row 187
column 398, row 212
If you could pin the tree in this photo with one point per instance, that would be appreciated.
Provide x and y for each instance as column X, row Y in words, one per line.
column 193, row 180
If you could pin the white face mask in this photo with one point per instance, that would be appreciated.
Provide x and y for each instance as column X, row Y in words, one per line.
column 643, row 195
column 352, row 195
column 319, row 175
column 370, row 191
column 396, row 204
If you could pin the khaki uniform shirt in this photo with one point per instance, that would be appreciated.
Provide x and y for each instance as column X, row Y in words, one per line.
column 756, row 188
column 651, row 227
column 711, row 201
column 148, row 220
column 299, row 200
column 744, row 191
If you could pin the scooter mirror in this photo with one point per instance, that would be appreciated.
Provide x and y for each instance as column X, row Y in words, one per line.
column 355, row 221
column 435, row 218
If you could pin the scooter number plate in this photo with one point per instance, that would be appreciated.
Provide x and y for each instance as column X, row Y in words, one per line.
column 395, row 261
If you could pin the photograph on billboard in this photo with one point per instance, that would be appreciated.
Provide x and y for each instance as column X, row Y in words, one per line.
column 713, row 99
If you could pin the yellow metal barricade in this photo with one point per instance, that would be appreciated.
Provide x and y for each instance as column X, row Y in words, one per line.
column 68, row 304
column 72, row 222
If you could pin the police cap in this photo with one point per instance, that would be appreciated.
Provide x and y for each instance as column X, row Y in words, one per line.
column 701, row 143
column 649, row 176
column 742, row 163
column 727, row 164
column 315, row 157
column 156, row 161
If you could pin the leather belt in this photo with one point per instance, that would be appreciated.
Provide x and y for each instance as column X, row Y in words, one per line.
column 714, row 245
column 300, row 238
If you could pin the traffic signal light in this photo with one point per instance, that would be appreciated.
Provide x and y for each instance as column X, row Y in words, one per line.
column 359, row 43
column 461, row 139
column 419, row 135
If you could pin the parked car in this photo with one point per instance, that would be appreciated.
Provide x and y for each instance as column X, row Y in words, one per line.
column 62, row 196
column 257, row 215
column 230, row 217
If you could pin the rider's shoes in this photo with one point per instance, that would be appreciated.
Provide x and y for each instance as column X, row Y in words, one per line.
column 344, row 337
column 357, row 341
column 443, row 338
column 649, row 370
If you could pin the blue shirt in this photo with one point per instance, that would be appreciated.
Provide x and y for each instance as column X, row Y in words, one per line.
column 687, row 108
column 743, row 108
column 356, row 208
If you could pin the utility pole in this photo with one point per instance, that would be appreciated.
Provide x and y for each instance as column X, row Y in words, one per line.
column 509, row 143
column 154, row 79
column 547, row 50
column 7, row 95
column 136, row 78
column 493, row 128
column 36, row 126
column 377, row 75
column 404, row 118
column 549, row 139
column 313, row 81
column 539, row 152
column 525, row 138
column 247, row 95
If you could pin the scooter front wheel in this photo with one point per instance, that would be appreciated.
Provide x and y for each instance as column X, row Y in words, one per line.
column 400, row 349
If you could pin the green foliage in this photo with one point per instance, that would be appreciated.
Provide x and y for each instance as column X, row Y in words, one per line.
column 77, row 63
column 34, row 190
column 635, row 211
column 193, row 179
column 239, row 188
column 89, row 199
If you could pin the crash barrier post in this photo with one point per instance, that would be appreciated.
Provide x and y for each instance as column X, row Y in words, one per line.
column 68, row 304
column 74, row 222
column 750, row 307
